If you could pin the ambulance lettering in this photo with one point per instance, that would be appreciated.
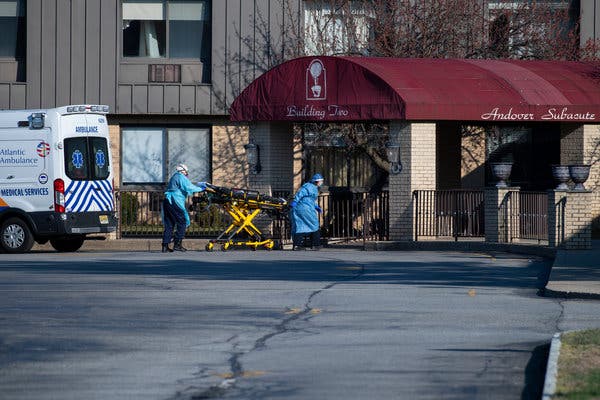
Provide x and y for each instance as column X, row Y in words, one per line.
column 23, row 192
column 86, row 129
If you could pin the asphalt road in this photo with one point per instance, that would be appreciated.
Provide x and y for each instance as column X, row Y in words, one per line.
column 335, row 324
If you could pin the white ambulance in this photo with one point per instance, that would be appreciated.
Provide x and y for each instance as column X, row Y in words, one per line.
column 56, row 181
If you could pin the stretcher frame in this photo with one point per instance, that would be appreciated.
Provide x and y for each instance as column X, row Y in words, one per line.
column 243, row 206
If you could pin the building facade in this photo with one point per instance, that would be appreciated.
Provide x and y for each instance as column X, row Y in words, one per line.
column 170, row 69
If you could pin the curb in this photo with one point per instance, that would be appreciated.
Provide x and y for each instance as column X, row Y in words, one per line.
column 563, row 294
column 552, row 368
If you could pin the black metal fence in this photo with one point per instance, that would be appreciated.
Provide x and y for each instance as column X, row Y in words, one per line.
column 346, row 216
column 140, row 215
column 354, row 215
column 528, row 216
column 460, row 213
column 448, row 213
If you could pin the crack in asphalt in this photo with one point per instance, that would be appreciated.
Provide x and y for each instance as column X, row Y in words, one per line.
column 560, row 316
column 235, row 365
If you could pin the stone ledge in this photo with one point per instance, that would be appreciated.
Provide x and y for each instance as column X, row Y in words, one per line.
column 542, row 251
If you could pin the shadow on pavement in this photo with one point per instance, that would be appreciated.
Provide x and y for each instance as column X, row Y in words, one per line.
column 463, row 270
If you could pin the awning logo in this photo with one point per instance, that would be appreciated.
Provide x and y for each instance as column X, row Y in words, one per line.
column 316, row 81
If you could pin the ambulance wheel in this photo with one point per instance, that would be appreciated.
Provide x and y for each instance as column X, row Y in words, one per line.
column 67, row 245
column 15, row 236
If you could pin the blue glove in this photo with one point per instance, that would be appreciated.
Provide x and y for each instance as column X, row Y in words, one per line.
column 293, row 204
column 202, row 185
column 319, row 210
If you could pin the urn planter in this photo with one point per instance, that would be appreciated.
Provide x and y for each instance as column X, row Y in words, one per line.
column 501, row 172
column 561, row 174
column 579, row 174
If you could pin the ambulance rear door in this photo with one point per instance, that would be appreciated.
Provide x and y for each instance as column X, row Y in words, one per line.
column 87, row 168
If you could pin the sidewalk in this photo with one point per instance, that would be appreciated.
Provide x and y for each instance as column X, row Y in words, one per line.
column 575, row 273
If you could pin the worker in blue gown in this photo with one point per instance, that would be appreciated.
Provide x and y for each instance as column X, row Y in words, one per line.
column 174, row 211
column 305, row 215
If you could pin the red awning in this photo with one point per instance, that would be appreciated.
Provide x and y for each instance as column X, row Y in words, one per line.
column 363, row 88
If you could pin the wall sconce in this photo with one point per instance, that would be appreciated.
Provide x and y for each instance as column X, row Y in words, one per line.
column 253, row 157
column 393, row 154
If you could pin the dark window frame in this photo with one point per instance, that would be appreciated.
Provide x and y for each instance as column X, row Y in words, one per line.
column 165, row 149
column 204, row 57
column 20, row 50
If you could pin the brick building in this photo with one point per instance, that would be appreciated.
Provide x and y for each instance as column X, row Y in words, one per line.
column 170, row 70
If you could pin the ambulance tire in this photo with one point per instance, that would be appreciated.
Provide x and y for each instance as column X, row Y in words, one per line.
column 67, row 245
column 15, row 236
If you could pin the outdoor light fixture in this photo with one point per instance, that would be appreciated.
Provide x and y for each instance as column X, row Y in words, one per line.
column 392, row 149
column 253, row 157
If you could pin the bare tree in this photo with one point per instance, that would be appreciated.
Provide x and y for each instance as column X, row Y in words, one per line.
column 483, row 29
column 533, row 29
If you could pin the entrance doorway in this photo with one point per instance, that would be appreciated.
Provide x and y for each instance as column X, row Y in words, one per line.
column 352, row 159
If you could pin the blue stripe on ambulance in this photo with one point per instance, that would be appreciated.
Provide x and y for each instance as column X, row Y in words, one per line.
column 89, row 196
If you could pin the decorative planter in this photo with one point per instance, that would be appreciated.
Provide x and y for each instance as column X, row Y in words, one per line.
column 561, row 175
column 579, row 174
column 501, row 172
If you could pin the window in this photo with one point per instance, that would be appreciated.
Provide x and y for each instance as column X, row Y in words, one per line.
column 334, row 27
column 12, row 29
column 167, row 29
column 12, row 37
column 349, row 156
column 526, row 29
column 86, row 158
column 150, row 154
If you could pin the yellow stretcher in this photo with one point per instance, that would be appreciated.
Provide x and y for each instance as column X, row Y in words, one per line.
column 243, row 206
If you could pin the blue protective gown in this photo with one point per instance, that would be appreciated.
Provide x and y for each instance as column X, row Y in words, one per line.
column 305, row 218
column 178, row 189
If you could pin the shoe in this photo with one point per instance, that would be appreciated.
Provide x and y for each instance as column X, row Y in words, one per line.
column 178, row 246
column 297, row 248
column 166, row 248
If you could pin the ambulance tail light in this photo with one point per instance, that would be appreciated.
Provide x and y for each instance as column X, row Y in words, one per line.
column 59, row 195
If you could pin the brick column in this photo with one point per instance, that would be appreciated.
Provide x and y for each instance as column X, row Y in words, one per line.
column 472, row 166
column 580, row 144
column 570, row 219
column 497, row 213
column 417, row 154
column 229, row 165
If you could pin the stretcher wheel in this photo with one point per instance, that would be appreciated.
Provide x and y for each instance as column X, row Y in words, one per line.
column 269, row 245
column 225, row 246
column 209, row 246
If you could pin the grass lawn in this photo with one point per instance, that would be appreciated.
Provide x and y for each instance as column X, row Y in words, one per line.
column 579, row 366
